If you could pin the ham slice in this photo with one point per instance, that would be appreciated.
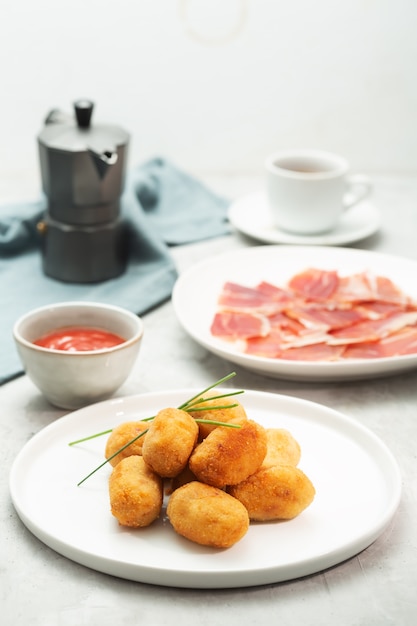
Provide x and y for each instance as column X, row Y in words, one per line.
column 372, row 330
column 279, row 341
column 240, row 298
column 354, row 288
column 234, row 325
column 324, row 318
column 386, row 291
column 282, row 320
column 269, row 346
column 402, row 342
column 365, row 286
column 319, row 316
column 376, row 310
column 316, row 352
column 276, row 293
column 315, row 284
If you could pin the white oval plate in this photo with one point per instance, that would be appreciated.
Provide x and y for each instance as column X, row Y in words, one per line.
column 196, row 292
column 356, row 478
column 251, row 216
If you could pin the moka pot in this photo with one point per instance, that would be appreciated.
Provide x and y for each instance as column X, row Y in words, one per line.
column 83, row 173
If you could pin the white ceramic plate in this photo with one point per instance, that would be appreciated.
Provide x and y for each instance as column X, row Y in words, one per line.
column 251, row 216
column 356, row 478
column 196, row 291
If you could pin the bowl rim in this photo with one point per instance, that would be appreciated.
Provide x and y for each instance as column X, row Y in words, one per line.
column 85, row 304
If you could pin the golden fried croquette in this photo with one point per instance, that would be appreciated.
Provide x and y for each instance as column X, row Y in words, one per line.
column 207, row 515
column 169, row 442
column 120, row 436
column 136, row 492
column 234, row 414
column 274, row 493
column 229, row 455
column 282, row 448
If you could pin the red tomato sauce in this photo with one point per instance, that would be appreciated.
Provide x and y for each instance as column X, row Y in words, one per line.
column 79, row 339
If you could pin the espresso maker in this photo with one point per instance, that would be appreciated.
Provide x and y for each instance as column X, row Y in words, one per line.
column 83, row 173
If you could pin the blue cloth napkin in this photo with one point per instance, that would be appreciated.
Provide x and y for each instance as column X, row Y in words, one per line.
column 162, row 205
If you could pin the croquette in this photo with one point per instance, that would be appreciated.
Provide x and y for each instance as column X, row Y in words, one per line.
column 120, row 436
column 282, row 448
column 136, row 493
column 207, row 515
column 229, row 455
column 279, row 492
column 169, row 442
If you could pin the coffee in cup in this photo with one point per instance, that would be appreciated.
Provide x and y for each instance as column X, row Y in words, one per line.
column 308, row 190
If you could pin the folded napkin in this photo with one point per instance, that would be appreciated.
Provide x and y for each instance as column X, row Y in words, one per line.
column 162, row 205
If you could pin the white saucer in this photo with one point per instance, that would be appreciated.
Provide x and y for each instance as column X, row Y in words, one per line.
column 250, row 215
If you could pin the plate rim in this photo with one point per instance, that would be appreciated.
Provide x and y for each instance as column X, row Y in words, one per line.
column 220, row 578
column 291, row 370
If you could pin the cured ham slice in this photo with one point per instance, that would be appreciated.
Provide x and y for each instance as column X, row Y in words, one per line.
column 279, row 341
column 386, row 291
column 276, row 293
column 354, row 288
column 324, row 318
column 316, row 352
column 282, row 320
column 402, row 342
column 239, row 325
column 240, row 298
column 366, row 286
column 376, row 310
column 269, row 346
column 315, row 284
column 319, row 316
column 372, row 330
column 366, row 350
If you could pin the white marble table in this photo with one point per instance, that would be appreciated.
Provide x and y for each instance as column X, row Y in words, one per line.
column 377, row 587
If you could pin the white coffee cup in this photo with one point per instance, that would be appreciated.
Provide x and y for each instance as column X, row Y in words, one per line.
column 308, row 190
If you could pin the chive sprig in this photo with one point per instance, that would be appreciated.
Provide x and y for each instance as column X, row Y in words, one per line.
column 190, row 405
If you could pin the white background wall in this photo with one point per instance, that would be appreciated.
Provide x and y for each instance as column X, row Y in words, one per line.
column 215, row 85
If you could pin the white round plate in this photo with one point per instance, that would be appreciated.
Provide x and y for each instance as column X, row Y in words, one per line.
column 196, row 292
column 357, row 483
column 251, row 216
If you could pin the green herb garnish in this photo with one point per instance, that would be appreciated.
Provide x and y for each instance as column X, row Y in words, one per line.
column 189, row 405
column 112, row 456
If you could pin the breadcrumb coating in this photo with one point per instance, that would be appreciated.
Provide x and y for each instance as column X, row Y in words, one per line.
column 207, row 515
column 280, row 492
column 282, row 448
column 120, row 436
column 169, row 442
column 229, row 455
column 136, row 493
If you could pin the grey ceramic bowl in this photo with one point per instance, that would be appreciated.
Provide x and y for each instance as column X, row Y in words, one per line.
column 71, row 380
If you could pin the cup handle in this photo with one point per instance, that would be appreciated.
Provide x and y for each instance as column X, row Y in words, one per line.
column 359, row 188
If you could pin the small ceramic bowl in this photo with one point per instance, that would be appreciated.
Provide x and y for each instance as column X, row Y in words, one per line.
column 71, row 380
